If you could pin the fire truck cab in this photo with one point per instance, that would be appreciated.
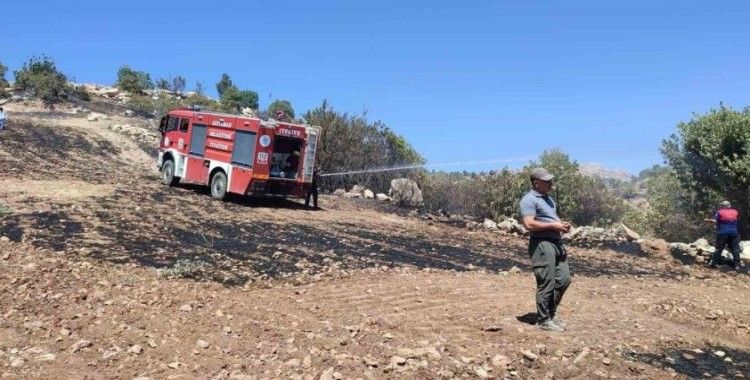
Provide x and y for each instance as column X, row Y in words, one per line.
column 236, row 154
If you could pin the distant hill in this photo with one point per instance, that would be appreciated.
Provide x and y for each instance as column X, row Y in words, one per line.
column 597, row 170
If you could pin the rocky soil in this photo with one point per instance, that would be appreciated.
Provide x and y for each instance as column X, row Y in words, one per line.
column 105, row 273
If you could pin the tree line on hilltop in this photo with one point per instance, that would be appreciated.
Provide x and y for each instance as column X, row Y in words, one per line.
column 706, row 160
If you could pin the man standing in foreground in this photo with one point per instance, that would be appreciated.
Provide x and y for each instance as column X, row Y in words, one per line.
column 726, row 234
column 548, row 257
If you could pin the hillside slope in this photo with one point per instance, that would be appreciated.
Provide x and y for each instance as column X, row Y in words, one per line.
column 107, row 273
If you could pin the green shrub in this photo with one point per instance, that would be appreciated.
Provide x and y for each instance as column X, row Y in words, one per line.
column 202, row 101
column 178, row 84
column 133, row 81
column 224, row 84
column 5, row 210
column 40, row 77
column 162, row 84
column 280, row 105
column 235, row 100
column 142, row 105
column 79, row 92
column 3, row 82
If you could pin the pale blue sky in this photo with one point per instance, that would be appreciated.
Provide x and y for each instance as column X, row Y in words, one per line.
column 462, row 81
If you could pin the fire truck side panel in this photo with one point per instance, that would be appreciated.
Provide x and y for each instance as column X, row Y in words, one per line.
column 263, row 152
column 196, row 171
column 243, row 155
column 241, row 178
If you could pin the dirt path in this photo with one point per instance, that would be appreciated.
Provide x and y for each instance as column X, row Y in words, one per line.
column 115, row 276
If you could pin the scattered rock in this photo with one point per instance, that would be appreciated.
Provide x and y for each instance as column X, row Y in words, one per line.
column 135, row 349
column 203, row 344
column 405, row 192
column 382, row 197
column 112, row 352
column 370, row 362
column 530, row 355
column 186, row 307
column 481, row 373
column 368, row 194
column 720, row 353
column 500, row 361
column 514, row 269
column 17, row 362
column 81, row 344
column 4, row 239
column 582, row 355
column 489, row 224
column 46, row 357
column 607, row 361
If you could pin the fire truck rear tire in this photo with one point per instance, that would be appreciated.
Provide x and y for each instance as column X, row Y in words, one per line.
column 219, row 185
column 167, row 173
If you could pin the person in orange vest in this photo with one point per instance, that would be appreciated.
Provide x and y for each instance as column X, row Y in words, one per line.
column 726, row 219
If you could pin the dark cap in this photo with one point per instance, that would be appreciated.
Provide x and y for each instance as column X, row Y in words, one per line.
column 541, row 174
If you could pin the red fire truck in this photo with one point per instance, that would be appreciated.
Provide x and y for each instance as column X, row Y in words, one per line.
column 236, row 154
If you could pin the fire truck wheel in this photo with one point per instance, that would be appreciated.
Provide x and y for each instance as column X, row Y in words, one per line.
column 219, row 185
column 167, row 173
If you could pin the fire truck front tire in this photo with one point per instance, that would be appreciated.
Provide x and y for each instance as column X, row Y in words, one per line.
column 219, row 185
column 167, row 173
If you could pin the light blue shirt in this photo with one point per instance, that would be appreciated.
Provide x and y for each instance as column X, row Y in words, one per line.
column 542, row 208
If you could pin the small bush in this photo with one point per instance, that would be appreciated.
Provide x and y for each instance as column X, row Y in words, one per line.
column 3, row 82
column 133, row 81
column 162, row 84
column 235, row 100
column 224, row 84
column 178, row 84
column 164, row 104
column 185, row 268
column 142, row 105
column 202, row 101
column 5, row 210
column 40, row 77
column 79, row 92
column 280, row 105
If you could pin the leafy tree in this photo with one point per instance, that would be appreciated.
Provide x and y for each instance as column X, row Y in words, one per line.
column 79, row 92
column 3, row 82
column 671, row 213
column 235, row 100
column 351, row 142
column 224, row 84
column 40, row 76
column 199, row 89
column 280, row 105
column 162, row 84
column 133, row 81
column 178, row 84
column 710, row 157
